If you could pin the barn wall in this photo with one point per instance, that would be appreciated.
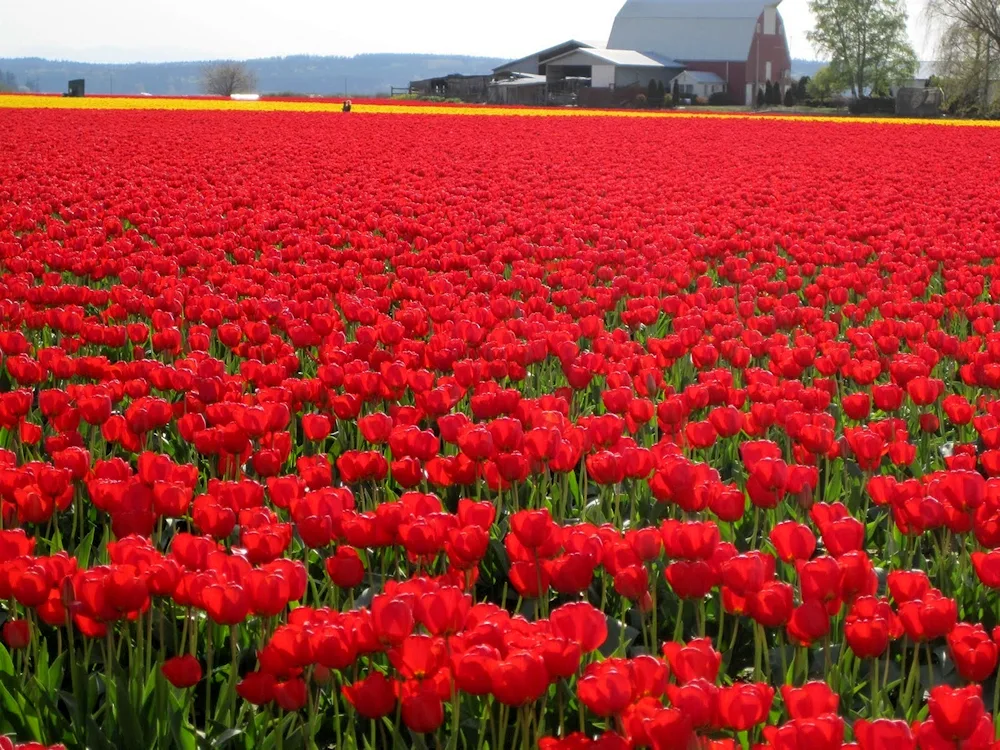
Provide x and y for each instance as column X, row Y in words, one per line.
column 602, row 76
column 773, row 48
column 642, row 76
column 767, row 48
column 734, row 73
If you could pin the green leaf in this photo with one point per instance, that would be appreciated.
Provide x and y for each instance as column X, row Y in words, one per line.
column 574, row 488
column 226, row 737
column 184, row 738
column 128, row 721
column 6, row 663
column 12, row 714
column 56, row 725
column 84, row 549
column 96, row 739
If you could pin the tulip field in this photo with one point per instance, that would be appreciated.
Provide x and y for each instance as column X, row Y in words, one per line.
column 411, row 428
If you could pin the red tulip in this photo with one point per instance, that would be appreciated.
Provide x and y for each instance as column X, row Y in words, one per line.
column 372, row 697
column 182, row 671
column 809, row 701
column 744, row 705
column 956, row 711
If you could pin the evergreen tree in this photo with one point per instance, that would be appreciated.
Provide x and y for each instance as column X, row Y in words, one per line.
column 760, row 98
column 802, row 89
column 790, row 97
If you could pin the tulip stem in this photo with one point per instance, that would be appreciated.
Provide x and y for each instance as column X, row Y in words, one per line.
column 757, row 653
column 874, row 681
column 233, row 673
column 996, row 710
column 208, row 671
column 722, row 622
column 503, row 726
column 906, row 696
column 456, row 715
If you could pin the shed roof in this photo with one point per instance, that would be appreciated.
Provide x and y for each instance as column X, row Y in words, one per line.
column 622, row 58
column 545, row 54
column 521, row 79
column 700, row 76
column 689, row 29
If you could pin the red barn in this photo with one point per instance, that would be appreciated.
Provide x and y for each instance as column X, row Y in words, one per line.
column 741, row 41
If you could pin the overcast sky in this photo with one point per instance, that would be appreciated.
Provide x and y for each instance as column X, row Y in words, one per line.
column 164, row 30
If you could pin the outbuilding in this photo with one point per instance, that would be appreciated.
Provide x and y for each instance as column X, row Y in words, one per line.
column 698, row 84
column 612, row 68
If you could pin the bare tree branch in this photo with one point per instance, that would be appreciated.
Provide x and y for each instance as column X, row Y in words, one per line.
column 228, row 78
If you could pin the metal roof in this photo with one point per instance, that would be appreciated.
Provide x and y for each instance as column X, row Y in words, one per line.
column 689, row 30
column 521, row 79
column 701, row 76
column 544, row 54
column 622, row 58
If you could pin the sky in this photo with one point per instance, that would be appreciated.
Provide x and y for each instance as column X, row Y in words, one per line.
column 113, row 31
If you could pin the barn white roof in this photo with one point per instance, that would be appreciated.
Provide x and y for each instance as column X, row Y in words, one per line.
column 700, row 76
column 622, row 58
column 689, row 29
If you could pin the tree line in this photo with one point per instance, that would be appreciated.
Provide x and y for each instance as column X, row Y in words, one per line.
column 870, row 54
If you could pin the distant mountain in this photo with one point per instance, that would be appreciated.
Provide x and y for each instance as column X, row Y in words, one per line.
column 306, row 74
column 799, row 67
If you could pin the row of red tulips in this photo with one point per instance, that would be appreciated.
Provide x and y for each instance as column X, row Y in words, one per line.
column 356, row 447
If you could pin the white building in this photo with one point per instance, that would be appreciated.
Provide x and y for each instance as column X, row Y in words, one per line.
column 614, row 68
column 698, row 83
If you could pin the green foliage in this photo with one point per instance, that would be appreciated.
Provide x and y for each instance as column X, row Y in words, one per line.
column 802, row 88
column 773, row 94
column 790, row 97
column 866, row 41
column 969, row 66
column 829, row 81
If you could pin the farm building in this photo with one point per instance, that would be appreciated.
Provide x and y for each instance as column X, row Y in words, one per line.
column 535, row 64
column 741, row 41
column 517, row 88
column 738, row 45
column 467, row 88
column 698, row 83
column 612, row 68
